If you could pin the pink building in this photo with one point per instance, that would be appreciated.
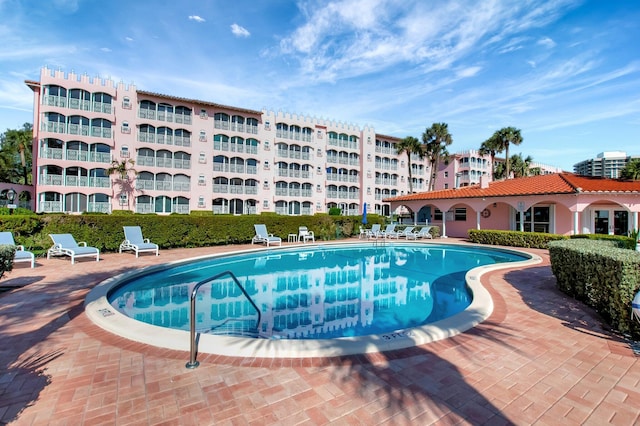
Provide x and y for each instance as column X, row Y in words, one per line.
column 191, row 155
column 560, row 203
column 468, row 167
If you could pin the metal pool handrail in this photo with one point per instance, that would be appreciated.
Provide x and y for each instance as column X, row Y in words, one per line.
column 192, row 320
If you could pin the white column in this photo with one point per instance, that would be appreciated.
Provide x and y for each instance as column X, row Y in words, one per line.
column 478, row 219
column 576, row 227
column 444, row 225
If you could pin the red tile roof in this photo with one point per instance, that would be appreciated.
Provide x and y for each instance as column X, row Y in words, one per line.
column 557, row 183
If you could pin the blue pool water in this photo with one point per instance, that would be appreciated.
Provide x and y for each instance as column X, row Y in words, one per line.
column 317, row 292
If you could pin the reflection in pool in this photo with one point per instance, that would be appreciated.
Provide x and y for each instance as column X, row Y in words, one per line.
column 318, row 293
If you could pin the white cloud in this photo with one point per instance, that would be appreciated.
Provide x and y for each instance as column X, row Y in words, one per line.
column 546, row 42
column 105, row 49
column 239, row 31
column 468, row 71
column 196, row 18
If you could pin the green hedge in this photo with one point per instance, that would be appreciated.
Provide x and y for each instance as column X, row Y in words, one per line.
column 7, row 254
column 104, row 231
column 602, row 275
column 513, row 238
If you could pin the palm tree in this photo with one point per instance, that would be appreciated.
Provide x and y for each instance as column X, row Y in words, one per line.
column 492, row 147
column 520, row 167
column 508, row 136
column 122, row 169
column 631, row 170
column 410, row 146
column 436, row 139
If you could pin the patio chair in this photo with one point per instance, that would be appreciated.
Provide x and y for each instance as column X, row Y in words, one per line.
column 305, row 235
column 423, row 233
column 262, row 236
column 66, row 245
column 406, row 233
column 389, row 231
column 133, row 240
column 21, row 255
column 374, row 232
column 363, row 233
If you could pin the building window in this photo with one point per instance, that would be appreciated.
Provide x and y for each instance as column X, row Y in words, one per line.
column 201, row 180
column 124, row 151
column 265, row 204
column 202, row 159
column 266, row 165
column 446, row 174
column 203, row 114
column 265, row 185
column 460, row 214
column 203, row 136
column 538, row 222
column 201, row 201
column 126, row 103
column 266, row 146
column 124, row 128
column 123, row 199
column 267, row 125
column 437, row 214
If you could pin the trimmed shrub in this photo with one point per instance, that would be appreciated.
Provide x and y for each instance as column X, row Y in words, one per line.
column 7, row 253
column 513, row 238
column 602, row 275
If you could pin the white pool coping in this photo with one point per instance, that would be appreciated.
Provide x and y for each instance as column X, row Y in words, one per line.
column 101, row 313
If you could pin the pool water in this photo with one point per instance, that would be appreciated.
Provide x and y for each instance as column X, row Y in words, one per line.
column 320, row 292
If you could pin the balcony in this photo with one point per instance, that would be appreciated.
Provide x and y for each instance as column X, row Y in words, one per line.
column 80, row 104
column 99, row 207
column 144, row 208
column 182, row 186
column 57, row 101
column 145, row 161
column 142, row 184
column 182, row 141
column 181, row 208
column 51, row 206
column 51, row 180
column 181, row 164
column 51, row 153
column 78, row 129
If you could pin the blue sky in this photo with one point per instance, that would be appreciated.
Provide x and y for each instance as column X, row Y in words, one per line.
column 565, row 72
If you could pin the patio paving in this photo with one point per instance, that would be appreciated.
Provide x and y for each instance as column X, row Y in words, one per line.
column 541, row 358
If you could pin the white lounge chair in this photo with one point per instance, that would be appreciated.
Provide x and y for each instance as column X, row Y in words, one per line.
column 262, row 236
column 389, row 231
column 66, row 245
column 21, row 255
column 423, row 233
column 374, row 232
column 406, row 232
column 305, row 235
column 133, row 240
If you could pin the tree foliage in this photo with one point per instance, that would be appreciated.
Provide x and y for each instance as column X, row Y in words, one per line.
column 15, row 155
column 631, row 170
column 436, row 139
column 411, row 146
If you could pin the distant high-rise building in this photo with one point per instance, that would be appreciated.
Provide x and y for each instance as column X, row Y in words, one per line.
column 607, row 164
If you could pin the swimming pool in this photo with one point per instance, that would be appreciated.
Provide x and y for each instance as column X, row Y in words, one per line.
column 344, row 298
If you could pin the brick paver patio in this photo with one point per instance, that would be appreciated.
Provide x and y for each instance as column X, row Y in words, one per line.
column 541, row 358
